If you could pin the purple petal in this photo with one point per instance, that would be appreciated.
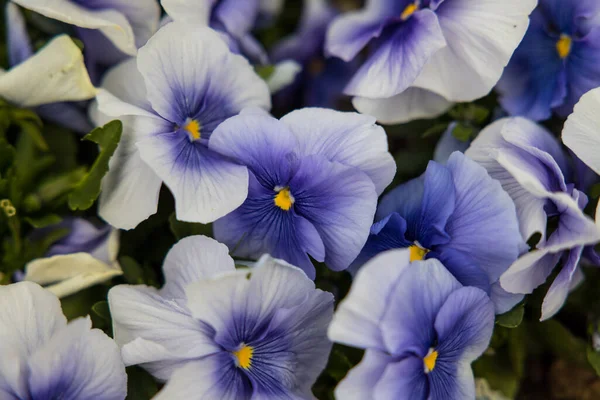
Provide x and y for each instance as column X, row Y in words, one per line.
column 18, row 42
column 401, row 53
column 559, row 290
column 407, row 324
column 403, row 380
column 360, row 381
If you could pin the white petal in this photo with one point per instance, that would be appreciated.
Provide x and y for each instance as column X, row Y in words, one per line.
column 191, row 259
column 582, row 130
column 482, row 36
column 413, row 103
column 110, row 22
column 70, row 273
column 193, row 11
column 56, row 73
column 284, row 74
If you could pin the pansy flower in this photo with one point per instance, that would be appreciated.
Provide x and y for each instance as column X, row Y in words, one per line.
column 20, row 49
column 457, row 214
column 85, row 256
column 424, row 54
column 420, row 327
column 182, row 85
column 556, row 63
column 109, row 29
column 314, row 180
column 531, row 166
column 43, row 357
column 220, row 333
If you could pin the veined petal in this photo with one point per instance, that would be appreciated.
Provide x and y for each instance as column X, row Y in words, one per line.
column 78, row 362
column 157, row 333
column 399, row 57
column 64, row 76
column 481, row 37
column 408, row 322
column 206, row 185
column 351, row 32
column 110, row 22
column 581, row 132
column 403, row 380
column 340, row 202
column 237, row 17
column 192, row 259
column 218, row 86
column 529, row 271
column 360, row 381
column 413, row 103
column 67, row 274
column 357, row 319
column 348, row 138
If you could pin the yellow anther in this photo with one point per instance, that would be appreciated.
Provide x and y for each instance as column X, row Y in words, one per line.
column 409, row 10
column 243, row 356
column 192, row 127
column 563, row 46
column 284, row 199
column 417, row 253
column 429, row 360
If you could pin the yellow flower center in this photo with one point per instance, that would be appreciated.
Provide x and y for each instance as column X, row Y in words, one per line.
column 192, row 127
column 409, row 10
column 283, row 198
column 563, row 46
column 417, row 253
column 243, row 356
column 429, row 360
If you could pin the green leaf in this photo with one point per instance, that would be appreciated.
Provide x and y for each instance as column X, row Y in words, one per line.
column 512, row 318
column 140, row 384
column 562, row 342
column 517, row 349
column 33, row 129
column 463, row 132
column 132, row 271
column 42, row 222
column 435, row 130
column 264, row 71
column 184, row 229
column 7, row 155
column 88, row 189
column 593, row 357
column 101, row 309
column 499, row 373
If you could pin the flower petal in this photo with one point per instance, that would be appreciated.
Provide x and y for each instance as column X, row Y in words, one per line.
column 18, row 42
column 348, row 138
column 191, row 259
column 64, row 76
column 399, row 57
column 481, row 36
column 78, row 362
column 357, row 319
column 413, row 103
column 403, row 380
column 189, row 10
column 70, row 273
column 112, row 23
column 157, row 333
column 361, row 380
column 560, row 288
column 581, row 132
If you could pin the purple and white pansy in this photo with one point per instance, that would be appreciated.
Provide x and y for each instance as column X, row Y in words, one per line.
column 425, row 54
column 171, row 110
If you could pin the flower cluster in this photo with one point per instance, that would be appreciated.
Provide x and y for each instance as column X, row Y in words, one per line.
column 257, row 229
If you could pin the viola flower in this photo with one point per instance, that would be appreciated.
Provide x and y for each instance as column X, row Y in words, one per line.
column 530, row 165
column 109, row 29
column 556, row 63
column 258, row 332
column 43, row 357
column 457, row 214
column 425, row 54
column 171, row 110
column 314, row 180
column 322, row 80
column 19, row 46
column 86, row 256
column 420, row 327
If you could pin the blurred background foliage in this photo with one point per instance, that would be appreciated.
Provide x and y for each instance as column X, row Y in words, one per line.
column 48, row 172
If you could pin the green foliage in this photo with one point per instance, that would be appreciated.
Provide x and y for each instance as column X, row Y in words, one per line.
column 264, row 71
column 512, row 318
column 87, row 190
column 184, row 229
column 593, row 357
